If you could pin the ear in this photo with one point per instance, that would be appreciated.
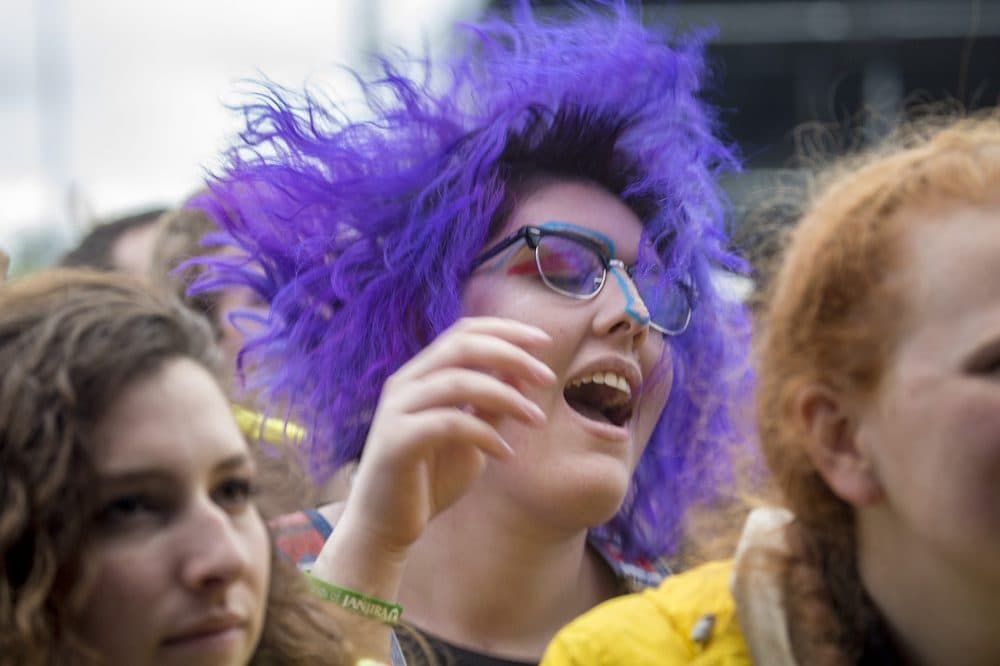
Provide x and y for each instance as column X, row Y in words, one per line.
column 833, row 444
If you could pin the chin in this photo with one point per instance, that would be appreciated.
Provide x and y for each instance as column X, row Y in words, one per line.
column 597, row 496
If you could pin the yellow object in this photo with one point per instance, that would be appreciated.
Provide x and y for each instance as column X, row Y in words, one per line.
column 255, row 426
column 689, row 619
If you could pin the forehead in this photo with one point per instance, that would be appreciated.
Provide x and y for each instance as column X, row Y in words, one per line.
column 583, row 205
column 176, row 418
column 132, row 252
column 952, row 271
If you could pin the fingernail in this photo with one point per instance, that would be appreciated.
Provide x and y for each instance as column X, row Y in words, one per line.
column 536, row 332
column 544, row 372
column 507, row 447
column 536, row 414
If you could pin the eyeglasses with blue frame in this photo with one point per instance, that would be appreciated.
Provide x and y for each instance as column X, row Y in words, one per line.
column 575, row 265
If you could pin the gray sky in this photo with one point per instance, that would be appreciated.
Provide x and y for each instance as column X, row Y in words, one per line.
column 108, row 106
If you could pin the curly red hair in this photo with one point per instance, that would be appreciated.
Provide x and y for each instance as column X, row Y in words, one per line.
column 831, row 317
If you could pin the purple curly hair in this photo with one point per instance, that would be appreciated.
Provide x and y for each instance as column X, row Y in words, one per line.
column 361, row 233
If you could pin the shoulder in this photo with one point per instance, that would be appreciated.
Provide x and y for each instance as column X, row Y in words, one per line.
column 634, row 574
column 688, row 619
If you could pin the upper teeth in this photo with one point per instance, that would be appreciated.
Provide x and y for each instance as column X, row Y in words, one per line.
column 612, row 379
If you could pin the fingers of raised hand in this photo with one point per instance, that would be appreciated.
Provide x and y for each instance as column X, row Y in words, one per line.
column 473, row 375
column 484, row 343
column 449, row 425
column 484, row 394
column 502, row 327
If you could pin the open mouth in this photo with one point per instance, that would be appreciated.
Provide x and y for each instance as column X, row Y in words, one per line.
column 601, row 396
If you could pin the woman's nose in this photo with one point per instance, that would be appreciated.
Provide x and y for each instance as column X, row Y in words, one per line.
column 622, row 311
column 215, row 551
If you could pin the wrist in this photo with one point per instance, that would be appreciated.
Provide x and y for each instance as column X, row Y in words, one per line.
column 355, row 558
column 358, row 603
column 373, row 536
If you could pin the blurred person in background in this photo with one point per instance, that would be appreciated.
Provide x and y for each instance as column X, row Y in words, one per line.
column 879, row 415
column 122, row 244
column 496, row 294
column 129, row 532
column 182, row 234
column 4, row 265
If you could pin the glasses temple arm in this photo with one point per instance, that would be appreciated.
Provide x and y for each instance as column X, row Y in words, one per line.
column 499, row 247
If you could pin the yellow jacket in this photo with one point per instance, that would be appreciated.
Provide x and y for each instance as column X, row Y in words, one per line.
column 719, row 614
column 689, row 619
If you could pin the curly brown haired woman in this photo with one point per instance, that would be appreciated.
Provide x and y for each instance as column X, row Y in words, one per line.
column 128, row 530
column 879, row 415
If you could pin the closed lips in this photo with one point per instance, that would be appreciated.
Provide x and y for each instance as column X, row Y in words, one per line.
column 205, row 629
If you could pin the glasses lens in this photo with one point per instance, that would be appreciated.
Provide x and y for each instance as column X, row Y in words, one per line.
column 668, row 301
column 569, row 267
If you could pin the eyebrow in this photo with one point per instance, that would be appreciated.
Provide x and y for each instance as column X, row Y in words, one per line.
column 591, row 235
column 158, row 474
column 233, row 462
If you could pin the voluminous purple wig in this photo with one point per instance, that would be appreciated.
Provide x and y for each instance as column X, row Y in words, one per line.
column 360, row 233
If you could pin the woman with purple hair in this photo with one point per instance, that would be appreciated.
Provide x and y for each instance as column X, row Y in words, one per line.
column 493, row 293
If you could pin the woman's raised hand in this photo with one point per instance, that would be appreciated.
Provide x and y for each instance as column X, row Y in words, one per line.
column 435, row 425
column 431, row 435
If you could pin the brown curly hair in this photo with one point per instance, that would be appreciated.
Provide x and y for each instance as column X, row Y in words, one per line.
column 70, row 340
column 831, row 317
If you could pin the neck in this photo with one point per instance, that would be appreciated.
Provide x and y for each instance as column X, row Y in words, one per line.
column 937, row 611
column 487, row 578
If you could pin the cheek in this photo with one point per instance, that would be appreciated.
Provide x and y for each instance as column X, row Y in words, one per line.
column 120, row 600
column 937, row 449
column 971, row 445
column 260, row 548
column 658, row 379
column 477, row 296
column 656, row 358
column 121, row 571
column 495, row 295
column 264, row 551
column 978, row 420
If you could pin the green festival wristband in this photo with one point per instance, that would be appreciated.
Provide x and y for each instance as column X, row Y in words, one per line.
column 362, row 604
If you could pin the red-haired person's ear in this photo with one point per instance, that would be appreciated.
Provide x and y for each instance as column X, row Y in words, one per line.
column 833, row 445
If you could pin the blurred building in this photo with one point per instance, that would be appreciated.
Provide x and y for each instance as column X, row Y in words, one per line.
column 109, row 106
column 784, row 63
column 853, row 68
